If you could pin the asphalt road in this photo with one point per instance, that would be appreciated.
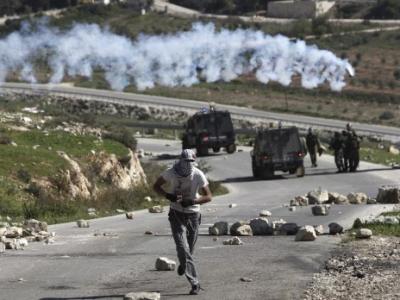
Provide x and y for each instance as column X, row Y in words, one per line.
column 83, row 266
column 389, row 133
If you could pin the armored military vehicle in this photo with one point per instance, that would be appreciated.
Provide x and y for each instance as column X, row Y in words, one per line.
column 278, row 149
column 209, row 129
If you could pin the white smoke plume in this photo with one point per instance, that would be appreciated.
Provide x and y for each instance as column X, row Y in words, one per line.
column 181, row 59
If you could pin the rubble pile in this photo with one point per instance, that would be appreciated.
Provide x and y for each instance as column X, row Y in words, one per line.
column 17, row 236
column 367, row 269
column 319, row 197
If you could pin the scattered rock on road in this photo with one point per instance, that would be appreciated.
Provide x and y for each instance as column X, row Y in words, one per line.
column 306, row 234
column 289, row 229
column 292, row 208
column 320, row 210
column 335, row 228
column 299, row 201
column 156, row 209
column 246, row 279
column 232, row 205
column 260, row 226
column 2, row 247
column 317, row 196
column 363, row 233
column 233, row 241
column 129, row 215
column 337, row 198
column 165, row 264
column 219, row 228
column 357, row 198
column 142, row 296
column 241, row 228
column 319, row 229
column 265, row 213
column 83, row 223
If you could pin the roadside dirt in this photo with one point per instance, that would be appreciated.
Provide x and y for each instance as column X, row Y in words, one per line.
column 362, row 269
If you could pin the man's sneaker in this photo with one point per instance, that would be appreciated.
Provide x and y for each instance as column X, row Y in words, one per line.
column 195, row 289
column 181, row 270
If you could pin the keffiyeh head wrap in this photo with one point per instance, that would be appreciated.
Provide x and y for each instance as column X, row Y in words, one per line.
column 185, row 165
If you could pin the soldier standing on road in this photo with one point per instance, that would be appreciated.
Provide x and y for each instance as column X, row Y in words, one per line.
column 185, row 182
column 351, row 149
column 313, row 145
column 337, row 145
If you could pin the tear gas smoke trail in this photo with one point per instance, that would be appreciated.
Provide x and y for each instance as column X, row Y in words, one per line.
column 181, row 59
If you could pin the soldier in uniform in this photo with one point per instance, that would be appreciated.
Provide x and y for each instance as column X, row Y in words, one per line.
column 337, row 145
column 313, row 146
column 351, row 149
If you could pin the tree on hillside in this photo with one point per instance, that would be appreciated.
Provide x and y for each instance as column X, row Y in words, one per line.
column 385, row 9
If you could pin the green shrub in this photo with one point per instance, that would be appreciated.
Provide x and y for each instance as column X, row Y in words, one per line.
column 386, row 115
column 123, row 136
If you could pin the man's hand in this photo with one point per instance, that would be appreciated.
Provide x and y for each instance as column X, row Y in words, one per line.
column 187, row 202
column 171, row 197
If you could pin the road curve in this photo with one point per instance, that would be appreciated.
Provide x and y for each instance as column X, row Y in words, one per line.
column 389, row 133
column 81, row 265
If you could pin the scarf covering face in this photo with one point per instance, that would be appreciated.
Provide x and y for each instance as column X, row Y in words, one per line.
column 184, row 168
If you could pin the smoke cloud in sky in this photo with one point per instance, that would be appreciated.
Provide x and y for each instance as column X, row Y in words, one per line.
column 181, row 59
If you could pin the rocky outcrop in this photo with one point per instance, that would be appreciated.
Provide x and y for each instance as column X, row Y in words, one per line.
column 388, row 194
column 73, row 181
column 122, row 174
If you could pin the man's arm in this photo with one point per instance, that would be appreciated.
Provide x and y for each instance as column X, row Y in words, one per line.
column 205, row 197
column 157, row 186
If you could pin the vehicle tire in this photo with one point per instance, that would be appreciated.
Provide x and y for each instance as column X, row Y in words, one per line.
column 256, row 170
column 231, row 148
column 202, row 151
column 300, row 171
column 267, row 173
column 216, row 149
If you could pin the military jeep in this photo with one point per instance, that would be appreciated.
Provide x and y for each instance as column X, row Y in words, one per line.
column 209, row 129
column 278, row 149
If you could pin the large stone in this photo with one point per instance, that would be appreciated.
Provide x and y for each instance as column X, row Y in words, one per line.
column 393, row 150
column 335, row 228
column 235, row 226
column 337, row 198
column 320, row 210
column 299, row 201
column 306, row 234
column 165, row 264
column 82, row 223
column 260, row 226
column 22, row 242
column 276, row 225
column 289, row 229
column 357, row 198
column 2, row 247
column 388, row 194
column 317, row 197
column 3, row 231
column 363, row 233
column 390, row 220
column 242, row 230
column 265, row 213
column 319, row 229
column 14, row 232
column 219, row 228
column 156, row 209
column 142, row 296
column 35, row 225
